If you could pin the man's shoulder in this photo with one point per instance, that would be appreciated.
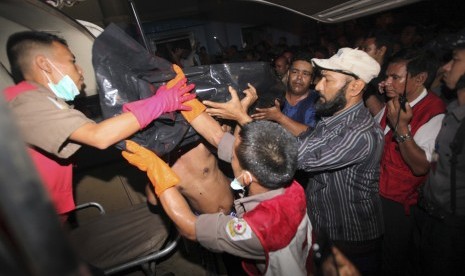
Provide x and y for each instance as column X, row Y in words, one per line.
column 11, row 92
column 26, row 91
column 432, row 103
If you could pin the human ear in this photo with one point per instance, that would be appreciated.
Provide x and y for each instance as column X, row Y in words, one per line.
column 42, row 63
column 355, row 87
column 421, row 78
column 249, row 175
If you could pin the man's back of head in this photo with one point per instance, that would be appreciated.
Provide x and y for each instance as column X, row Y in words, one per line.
column 269, row 152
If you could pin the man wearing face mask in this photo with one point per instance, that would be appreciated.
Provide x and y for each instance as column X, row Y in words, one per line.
column 47, row 76
column 270, row 229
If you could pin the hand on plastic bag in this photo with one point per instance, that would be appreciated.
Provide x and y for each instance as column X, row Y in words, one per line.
column 165, row 100
column 174, row 98
column 159, row 173
column 196, row 106
column 231, row 110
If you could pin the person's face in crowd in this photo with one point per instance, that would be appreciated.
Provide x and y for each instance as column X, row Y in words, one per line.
column 396, row 76
column 408, row 36
column 300, row 77
column 281, row 66
column 288, row 55
column 332, row 89
column 454, row 69
column 369, row 47
column 65, row 61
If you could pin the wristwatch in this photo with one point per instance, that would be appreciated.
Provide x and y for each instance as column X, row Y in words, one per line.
column 402, row 138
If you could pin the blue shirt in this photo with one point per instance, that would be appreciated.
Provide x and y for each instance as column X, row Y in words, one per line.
column 304, row 111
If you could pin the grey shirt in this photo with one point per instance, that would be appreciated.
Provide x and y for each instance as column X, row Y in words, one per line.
column 437, row 186
column 220, row 233
column 46, row 121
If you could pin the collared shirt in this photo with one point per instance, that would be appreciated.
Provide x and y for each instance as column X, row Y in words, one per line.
column 46, row 122
column 343, row 155
column 437, row 186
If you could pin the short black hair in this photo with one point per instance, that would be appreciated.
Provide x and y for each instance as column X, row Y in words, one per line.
column 302, row 55
column 269, row 152
column 419, row 61
column 382, row 38
column 20, row 44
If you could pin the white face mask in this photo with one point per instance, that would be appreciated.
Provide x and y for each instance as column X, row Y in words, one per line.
column 65, row 89
column 237, row 185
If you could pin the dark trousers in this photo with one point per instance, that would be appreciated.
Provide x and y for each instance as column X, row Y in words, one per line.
column 398, row 246
column 440, row 243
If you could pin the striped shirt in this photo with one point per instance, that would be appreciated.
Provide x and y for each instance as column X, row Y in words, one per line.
column 342, row 155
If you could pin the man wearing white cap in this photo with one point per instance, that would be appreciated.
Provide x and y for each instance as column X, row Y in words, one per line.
column 342, row 154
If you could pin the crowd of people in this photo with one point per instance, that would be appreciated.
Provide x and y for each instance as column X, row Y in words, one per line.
column 364, row 148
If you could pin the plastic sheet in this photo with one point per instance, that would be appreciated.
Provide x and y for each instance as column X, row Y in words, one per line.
column 126, row 72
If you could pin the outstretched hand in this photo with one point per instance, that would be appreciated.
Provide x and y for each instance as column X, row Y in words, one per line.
column 250, row 97
column 272, row 113
column 231, row 110
column 159, row 173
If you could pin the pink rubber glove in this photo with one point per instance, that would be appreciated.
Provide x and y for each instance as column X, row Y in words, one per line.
column 164, row 100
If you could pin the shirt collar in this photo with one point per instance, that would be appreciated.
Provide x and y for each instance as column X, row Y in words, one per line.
column 250, row 202
column 419, row 98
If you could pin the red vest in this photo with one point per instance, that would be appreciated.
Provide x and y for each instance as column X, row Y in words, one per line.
column 275, row 222
column 56, row 174
column 397, row 181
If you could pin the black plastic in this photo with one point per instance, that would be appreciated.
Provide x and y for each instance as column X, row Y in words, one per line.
column 125, row 72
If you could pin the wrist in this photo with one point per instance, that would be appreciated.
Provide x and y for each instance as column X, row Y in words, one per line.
column 403, row 137
column 244, row 120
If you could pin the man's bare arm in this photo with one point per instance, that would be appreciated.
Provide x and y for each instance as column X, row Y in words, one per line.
column 108, row 132
column 177, row 209
column 234, row 109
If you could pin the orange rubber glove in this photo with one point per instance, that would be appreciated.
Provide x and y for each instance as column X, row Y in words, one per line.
column 196, row 105
column 159, row 173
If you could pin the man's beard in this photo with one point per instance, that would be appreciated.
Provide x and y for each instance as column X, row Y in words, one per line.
column 329, row 108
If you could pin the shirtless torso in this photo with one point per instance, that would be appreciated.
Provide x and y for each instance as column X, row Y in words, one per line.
column 202, row 182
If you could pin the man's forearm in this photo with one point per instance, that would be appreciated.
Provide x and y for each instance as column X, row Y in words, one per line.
column 412, row 154
column 292, row 126
column 208, row 128
column 178, row 210
column 415, row 157
column 108, row 132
